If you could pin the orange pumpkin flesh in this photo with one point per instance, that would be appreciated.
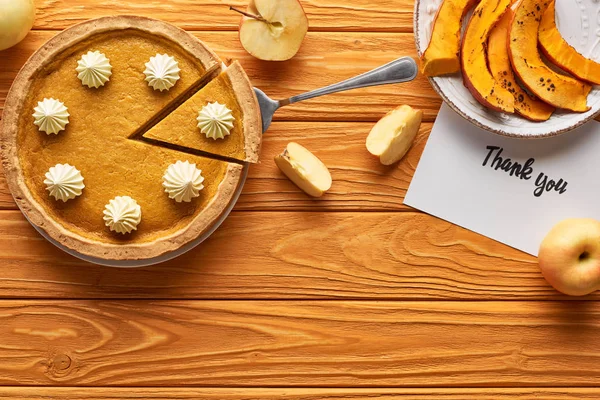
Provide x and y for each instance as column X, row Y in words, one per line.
column 558, row 90
column 561, row 53
column 499, row 64
column 442, row 54
column 477, row 77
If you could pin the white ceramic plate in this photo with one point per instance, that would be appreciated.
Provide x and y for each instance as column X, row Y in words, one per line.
column 164, row 257
column 578, row 22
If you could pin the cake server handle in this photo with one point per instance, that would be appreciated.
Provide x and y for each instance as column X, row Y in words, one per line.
column 400, row 70
column 403, row 69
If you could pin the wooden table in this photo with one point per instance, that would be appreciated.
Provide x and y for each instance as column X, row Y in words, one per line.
column 353, row 296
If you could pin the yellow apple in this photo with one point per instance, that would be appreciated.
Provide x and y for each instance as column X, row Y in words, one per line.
column 273, row 30
column 16, row 20
column 569, row 256
column 304, row 169
column 393, row 135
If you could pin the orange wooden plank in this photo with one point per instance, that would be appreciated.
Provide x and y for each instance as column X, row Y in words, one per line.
column 360, row 181
column 79, row 393
column 314, row 344
column 324, row 58
column 289, row 255
column 323, row 15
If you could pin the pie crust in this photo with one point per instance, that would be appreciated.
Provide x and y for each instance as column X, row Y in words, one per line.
column 249, row 104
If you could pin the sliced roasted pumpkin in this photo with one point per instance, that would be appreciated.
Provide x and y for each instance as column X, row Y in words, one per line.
column 558, row 90
column 499, row 63
column 476, row 75
column 442, row 55
column 562, row 53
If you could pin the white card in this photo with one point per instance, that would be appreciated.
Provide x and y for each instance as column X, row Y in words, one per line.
column 452, row 182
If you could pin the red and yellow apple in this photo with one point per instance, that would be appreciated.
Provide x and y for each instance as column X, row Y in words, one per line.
column 569, row 256
column 273, row 30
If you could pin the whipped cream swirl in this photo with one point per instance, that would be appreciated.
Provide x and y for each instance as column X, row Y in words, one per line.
column 122, row 214
column 64, row 182
column 94, row 69
column 183, row 181
column 215, row 120
column 162, row 72
column 51, row 116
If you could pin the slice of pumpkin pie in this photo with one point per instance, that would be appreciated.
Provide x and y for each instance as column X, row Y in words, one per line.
column 222, row 118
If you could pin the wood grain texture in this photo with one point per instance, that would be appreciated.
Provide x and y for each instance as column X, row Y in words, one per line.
column 91, row 393
column 289, row 255
column 324, row 58
column 316, row 344
column 323, row 15
column 360, row 181
column 280, row 304
column 6, row 199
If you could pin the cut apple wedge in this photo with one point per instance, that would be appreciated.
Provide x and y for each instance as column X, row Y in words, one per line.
column 499, row 64
column 304, row 169
column 558, row 90
column 273, row 30
column 442, row 54
column 392, row 135
column 558, row 51
column 476, row 75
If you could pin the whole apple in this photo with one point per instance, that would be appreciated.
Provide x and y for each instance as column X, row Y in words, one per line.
column 569, row 256
column 16, row 20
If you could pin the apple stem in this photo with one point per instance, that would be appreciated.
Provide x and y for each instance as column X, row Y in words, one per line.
column 256, row 17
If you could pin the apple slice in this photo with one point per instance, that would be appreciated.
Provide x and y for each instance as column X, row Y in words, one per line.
column 554, row 46
column 442, row 54
column 273, row 30
column 392, row 135
column 499, row 64
column 476, row 75
column 559, row 90
column 304, row 169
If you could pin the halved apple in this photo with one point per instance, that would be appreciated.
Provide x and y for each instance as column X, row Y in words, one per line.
column 392, row 135
column 442, row 54
column 304, row 169
column 561, row 53
column 499, row 63
column 273, row 30
column 476, row 75
column 559, row 90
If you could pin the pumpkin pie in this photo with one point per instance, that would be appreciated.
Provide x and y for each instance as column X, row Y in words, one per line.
column 98, row 139
column 241, row 142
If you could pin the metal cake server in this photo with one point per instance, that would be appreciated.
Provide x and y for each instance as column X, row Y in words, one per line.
column 403, row 69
